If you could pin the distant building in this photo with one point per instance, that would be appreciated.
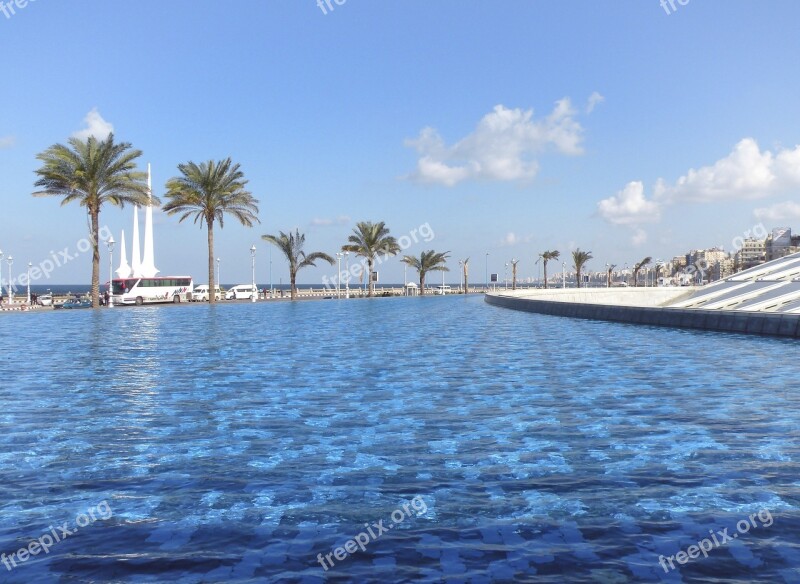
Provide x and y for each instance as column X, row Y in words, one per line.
column 781, row 243
column 723, row 269
column 752, row 253
column 678, row 263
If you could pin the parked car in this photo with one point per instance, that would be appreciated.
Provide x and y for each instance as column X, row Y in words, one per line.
column 242, row 292
column 45, row 300
column 200, row 293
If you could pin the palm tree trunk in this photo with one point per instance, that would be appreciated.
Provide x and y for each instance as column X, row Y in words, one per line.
column 545, row 274
column 95, row 218
column 578, row 276
column 421, row 284
column 369, row 277
column 466, row 280
column 293, row 279
column 212, row 289
column 514, row 277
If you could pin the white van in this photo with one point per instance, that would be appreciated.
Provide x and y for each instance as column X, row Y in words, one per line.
column 200, row 293
column 242, row 292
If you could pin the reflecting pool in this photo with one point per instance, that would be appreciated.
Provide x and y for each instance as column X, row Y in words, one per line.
column 393, row 440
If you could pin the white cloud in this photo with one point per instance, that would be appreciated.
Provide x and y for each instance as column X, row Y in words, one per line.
column 746, row 173
column 7, row 141
column 594, row 100
column 95, row 126
column 629, row 207
column 326, row 222
column 639, row 237
column 503, row 147
column 512, row 238
column 779, row 213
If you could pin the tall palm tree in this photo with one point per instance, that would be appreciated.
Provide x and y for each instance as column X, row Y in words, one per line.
column 514, row 274
column 579, row 259
column 659, row 266
column 208, row 192
column 428, row 261
column 292, row 247
column 368, row 240
column 608, row 274
column 93, row 172
column 637, row 268
column 465, row 263
column 546, row 257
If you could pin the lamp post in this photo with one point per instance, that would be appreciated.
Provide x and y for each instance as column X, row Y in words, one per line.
column 442, row 282
column 30, row 265
column 1, row 276
column 271, row 293
column 218, row 282
column 461, row 269
column 347, row 274
column 486, row 275
column 338, row 274
column 110, row 243
column 254, row 291
column 505, row 276
column 564, row 274
column 10, row 261
column 405, row 279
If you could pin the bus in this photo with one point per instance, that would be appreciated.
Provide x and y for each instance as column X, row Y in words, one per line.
column 140, row 291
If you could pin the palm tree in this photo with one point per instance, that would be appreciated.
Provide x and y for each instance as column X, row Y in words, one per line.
column 546, row 257
column 207, row 192
column 292, row 247
column 514, row 274
column 638, row 267
column 579, row 258
column 659, row 266
column 465, row 263
column 608, row 274
column 428, row 261
column 93, row 172
column 368, row 240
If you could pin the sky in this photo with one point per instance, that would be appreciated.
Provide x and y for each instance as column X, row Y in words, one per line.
column 506, row 127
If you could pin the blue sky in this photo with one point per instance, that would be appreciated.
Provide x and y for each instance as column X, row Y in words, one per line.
column 507, row 126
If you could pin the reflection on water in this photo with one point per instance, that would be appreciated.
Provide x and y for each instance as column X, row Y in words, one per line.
column 238, row 442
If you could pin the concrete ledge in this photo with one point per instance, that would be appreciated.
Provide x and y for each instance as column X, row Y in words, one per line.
column 730, row 321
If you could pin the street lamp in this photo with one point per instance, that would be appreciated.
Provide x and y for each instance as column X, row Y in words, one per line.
column 254, row 291
column 405, row 279
column 505, row 275
column 218, row 282
column 10, row 261
column 270, row 272
column 30, row 265
column 564, row 274
column 338, row 274
column 110, row 243
column 347, row 276
column 461, row 269
column 486, row 285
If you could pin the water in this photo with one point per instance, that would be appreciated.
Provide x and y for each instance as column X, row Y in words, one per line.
column 235, row 443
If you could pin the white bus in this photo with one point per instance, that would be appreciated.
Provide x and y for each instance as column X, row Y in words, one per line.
column 140, row 291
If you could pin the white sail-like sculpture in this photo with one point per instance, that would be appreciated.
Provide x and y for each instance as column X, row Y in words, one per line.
column 148, row 267
column 136, row 258
column 124, row 270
